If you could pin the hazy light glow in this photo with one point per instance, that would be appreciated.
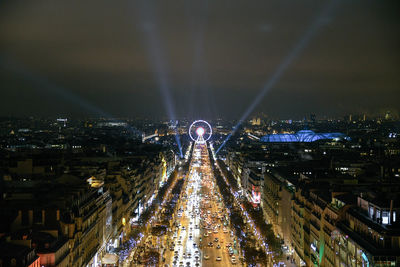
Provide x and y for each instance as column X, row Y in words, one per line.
column 284, row 65
column 200, row 131
column 196, row 12
column 148, row 22
column 49, row 87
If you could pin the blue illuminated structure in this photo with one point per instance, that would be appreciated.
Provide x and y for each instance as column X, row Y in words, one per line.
column 304, row 136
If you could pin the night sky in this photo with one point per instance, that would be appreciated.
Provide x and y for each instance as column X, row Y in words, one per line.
column 175, row 58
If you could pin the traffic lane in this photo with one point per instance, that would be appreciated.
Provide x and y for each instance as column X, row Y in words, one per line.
column 176, row 240
column 223, row 240
column 170, row 255
column 213, row 252
column 187, row 221
column 183, row 221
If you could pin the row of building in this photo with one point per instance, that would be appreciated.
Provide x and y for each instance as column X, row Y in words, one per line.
column 75, row 211
column 329, row 203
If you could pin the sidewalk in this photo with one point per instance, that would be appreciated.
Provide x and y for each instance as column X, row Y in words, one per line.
column 287, row 263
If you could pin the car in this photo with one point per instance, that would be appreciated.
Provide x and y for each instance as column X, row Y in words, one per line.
column 218, row 258
column 205, row 234
column 216, row 239
column 206, row 257
column 233, row 261
column 218, row 247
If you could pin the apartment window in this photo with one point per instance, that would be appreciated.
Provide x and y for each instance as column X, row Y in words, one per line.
column 37, row 216
column 25, row 217
column 371, row 212
column 385, row 217
column 378, row 214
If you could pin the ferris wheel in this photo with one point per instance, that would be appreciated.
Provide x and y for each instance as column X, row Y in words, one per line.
column 200, row 131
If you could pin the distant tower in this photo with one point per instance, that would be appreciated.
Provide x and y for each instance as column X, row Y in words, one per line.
column 388, row 116
column 255, row 121
column 312, row 118
column 63, row 121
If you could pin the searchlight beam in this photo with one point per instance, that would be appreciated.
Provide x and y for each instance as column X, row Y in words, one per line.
column 284, row 65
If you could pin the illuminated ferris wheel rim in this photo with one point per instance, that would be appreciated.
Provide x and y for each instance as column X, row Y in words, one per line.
column 196, row 122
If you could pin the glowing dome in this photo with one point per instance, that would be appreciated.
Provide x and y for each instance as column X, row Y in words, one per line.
column 304, row 136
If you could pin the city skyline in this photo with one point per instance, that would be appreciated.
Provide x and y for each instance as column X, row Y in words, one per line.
column 187, row 133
